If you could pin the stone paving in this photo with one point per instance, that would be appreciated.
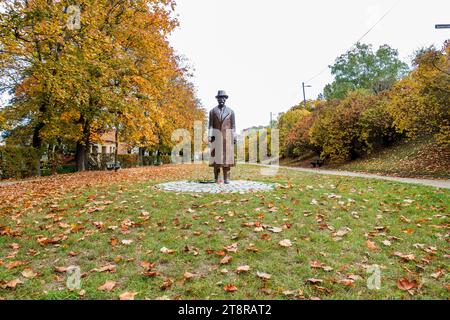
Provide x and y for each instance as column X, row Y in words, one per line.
column 235, row 186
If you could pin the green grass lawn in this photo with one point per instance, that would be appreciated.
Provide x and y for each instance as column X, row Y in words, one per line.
column 338, row 227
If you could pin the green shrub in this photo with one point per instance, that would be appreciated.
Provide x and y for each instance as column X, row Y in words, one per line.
column 67, row 169
column 53, row 163
column 148, row 160
column 128, row 160
column 165, row 159
column 18, row 162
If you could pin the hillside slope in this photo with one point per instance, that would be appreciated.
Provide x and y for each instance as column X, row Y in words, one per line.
column 416, row 158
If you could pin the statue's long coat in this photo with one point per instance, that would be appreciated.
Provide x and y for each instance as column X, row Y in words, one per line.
column 225, row 123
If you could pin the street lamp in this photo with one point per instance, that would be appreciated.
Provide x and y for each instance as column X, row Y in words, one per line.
column 271, row 118
column 304, row 95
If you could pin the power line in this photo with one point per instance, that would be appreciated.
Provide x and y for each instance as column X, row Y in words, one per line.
column 359, row 40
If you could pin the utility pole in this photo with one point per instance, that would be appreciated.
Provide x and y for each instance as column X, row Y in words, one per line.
column 270, row 119
column 304, row 95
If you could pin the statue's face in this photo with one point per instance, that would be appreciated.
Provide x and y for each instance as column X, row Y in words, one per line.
column 221, row 100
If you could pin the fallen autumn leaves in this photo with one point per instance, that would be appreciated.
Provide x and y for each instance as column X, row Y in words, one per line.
column 132, row 241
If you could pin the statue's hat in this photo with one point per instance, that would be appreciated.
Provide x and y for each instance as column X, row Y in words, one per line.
column 222, row 93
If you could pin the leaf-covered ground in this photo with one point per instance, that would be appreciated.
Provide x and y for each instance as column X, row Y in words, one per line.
column 313, row 237
column 420, row 158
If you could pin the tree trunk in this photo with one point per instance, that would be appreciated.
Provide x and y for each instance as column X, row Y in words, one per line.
column 37, row 144
column 81, row 157
column 37, row 140
column 116, row 150
column 82, row 146
column 141, row 156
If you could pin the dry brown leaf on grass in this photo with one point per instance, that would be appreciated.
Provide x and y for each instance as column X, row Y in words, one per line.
column 230, row 288
column 61, row 269
column 54, row 240
column 127, row 295
column 285, row 243
column 252, row 248
column 243, row 269
column 108, row 268
column 348, row 280
column 319, row 265
column 15, row 264
column 387, row 243
column 406, row 257
column 167, row 283
column 293, row 293
column 263, row 275
column 127, row 242
column 29, row 273
column 188, row 275
column 150, row 274
column 405, row 284
column 11, row 284
column 107, row 286
column 166, row 250
column 226, row 260
column 147, row 265
column 341, row 232
column 345, row 282
column 438, row 274
column 372, row 246
column 99, row 224
column 314, row 280
column 275, row 229
column 231, row 248
column 95, row 209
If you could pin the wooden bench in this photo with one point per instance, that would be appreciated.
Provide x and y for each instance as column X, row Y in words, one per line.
column 317, row 162
column 111, row 165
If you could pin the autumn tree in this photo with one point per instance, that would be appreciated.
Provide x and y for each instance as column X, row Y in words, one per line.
column 353, row 128
column 286, row 121
column 29, row 62
column 419, row 103
column 298, row 141
column 114, row 71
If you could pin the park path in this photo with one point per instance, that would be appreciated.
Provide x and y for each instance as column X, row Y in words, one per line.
column 426, row 182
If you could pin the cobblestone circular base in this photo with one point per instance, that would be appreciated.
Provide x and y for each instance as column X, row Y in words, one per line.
column 241, row 186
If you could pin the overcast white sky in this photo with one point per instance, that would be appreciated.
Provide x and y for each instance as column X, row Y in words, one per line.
column 260, row 51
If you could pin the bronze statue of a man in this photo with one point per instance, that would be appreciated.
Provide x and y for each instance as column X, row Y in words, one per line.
column 222, row 136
